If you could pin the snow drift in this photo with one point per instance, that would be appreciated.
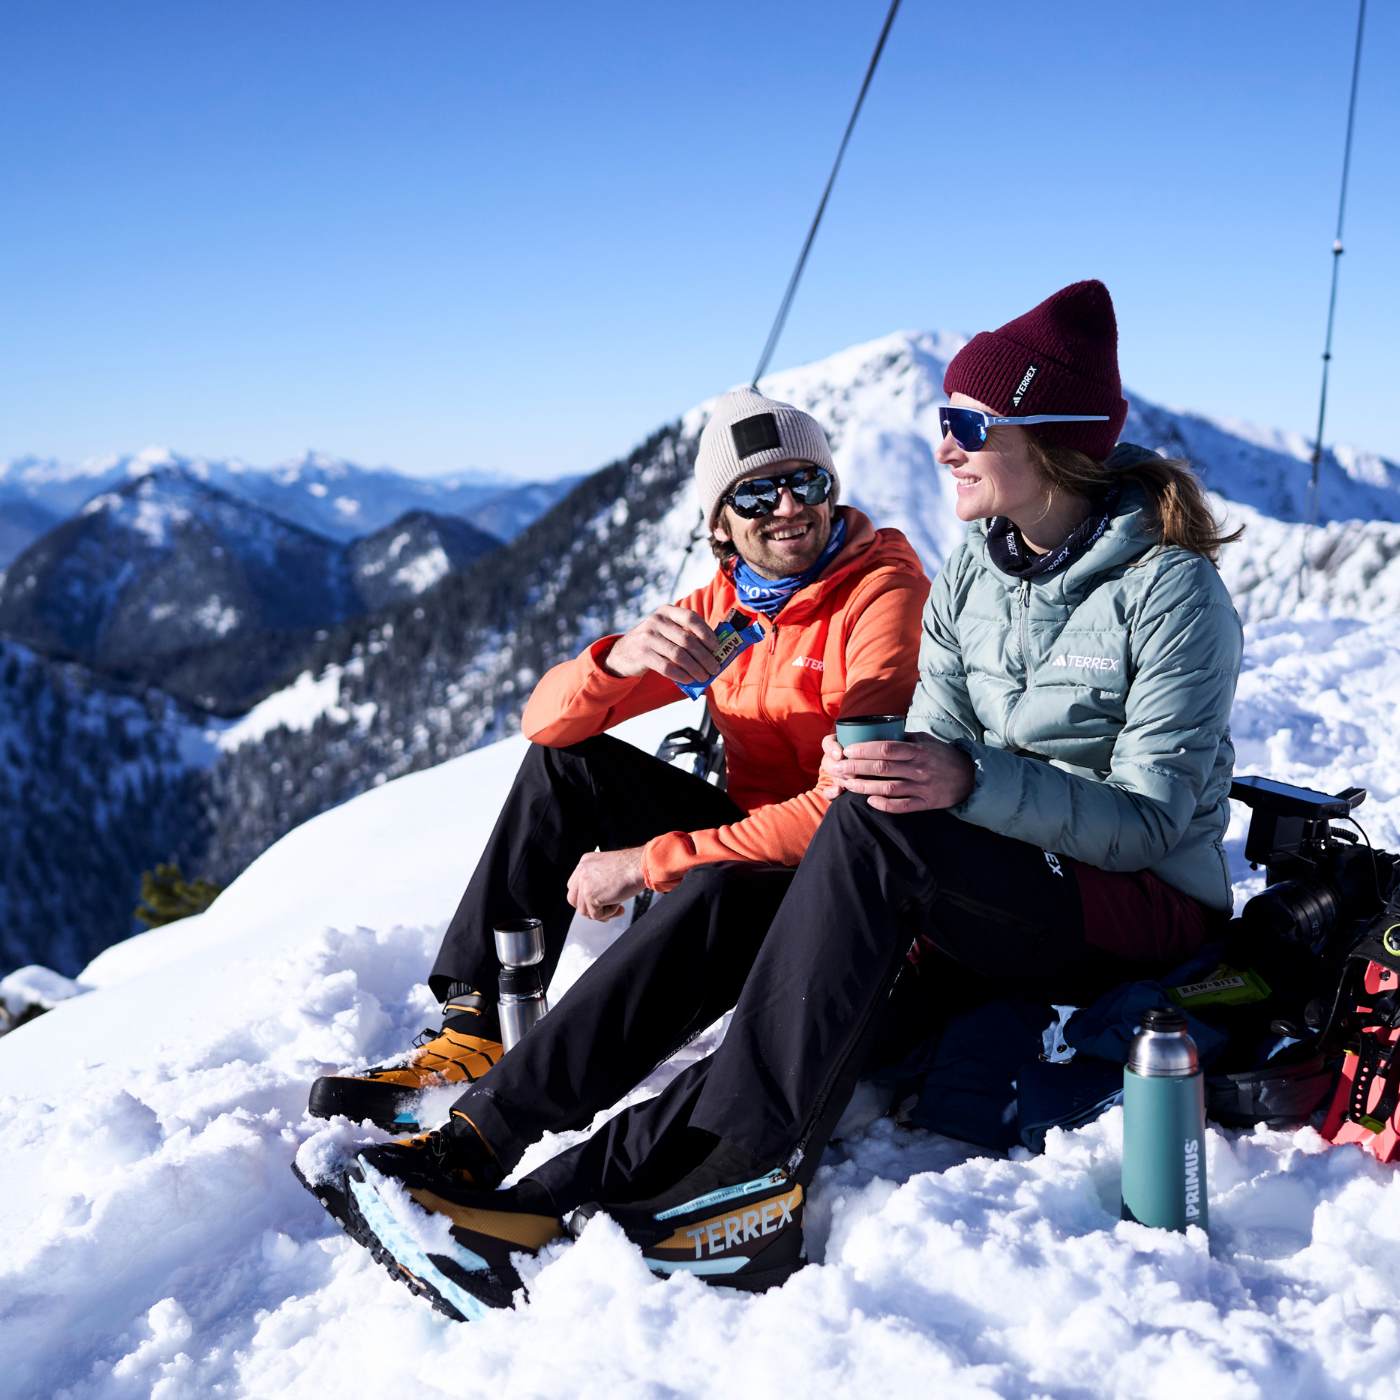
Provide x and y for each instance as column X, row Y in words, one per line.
column 160, row 1245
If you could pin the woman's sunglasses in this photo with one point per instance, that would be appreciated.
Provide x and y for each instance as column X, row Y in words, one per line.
column 749, row 500
column 970, row 426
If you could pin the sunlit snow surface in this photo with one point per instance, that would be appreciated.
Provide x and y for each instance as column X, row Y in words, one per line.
column 158, row 1244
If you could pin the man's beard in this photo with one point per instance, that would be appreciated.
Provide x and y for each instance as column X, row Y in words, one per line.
column 773, row 562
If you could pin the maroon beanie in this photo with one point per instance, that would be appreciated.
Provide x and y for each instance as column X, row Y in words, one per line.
column 1060, row 357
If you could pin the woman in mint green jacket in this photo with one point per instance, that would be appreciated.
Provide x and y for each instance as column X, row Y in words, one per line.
column 1078, row 662
column 1077, row 668
column 1053, row 820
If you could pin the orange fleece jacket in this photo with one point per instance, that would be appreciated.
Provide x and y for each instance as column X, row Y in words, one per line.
column 847, row 644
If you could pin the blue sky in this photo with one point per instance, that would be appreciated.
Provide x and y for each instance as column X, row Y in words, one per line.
column 518, row 237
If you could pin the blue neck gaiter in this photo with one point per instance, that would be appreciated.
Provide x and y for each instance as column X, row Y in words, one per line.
column 767, row 595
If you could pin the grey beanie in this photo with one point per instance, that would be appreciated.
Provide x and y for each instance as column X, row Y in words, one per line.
column 748, row 432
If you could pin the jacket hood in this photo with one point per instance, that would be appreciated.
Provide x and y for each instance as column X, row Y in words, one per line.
column 1129, row 454
column 1129, row 536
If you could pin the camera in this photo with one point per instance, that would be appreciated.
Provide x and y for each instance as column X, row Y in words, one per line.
column 1321, row 879
column 1327, row 893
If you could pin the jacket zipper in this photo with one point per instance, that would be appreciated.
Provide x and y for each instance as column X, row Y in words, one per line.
column 1024, row 605
column 768, row 656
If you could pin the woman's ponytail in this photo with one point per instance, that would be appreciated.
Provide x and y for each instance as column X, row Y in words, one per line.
column 1176, row 499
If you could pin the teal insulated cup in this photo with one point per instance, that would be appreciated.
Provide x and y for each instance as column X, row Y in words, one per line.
column 863, row 729
column 1164, row 1126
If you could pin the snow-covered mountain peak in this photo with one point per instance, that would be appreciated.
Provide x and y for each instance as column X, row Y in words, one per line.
column 150, row 459
column 328, row 495
column 892, row 387
column 169, row 491
column 865, row 376
column 17, row 467
column 149, row 502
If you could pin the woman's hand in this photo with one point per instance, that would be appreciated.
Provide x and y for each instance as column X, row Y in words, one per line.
column 918, row 774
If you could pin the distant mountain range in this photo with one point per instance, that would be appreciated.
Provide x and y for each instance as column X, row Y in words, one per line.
column 168, row 580
column 439, row 670
column 146, row 594
column 326, row 495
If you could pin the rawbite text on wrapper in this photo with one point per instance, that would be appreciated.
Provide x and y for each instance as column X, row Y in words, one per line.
column 736, row 633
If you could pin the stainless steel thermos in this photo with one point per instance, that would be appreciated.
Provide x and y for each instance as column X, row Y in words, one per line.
column 1164, row 1126
column 520, row 948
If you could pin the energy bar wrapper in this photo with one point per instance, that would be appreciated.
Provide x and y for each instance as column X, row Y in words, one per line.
column 737, row 633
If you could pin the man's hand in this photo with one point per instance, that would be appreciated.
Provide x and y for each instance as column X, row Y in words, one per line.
column 603, row 880
column 674, row 642
column 919, row 774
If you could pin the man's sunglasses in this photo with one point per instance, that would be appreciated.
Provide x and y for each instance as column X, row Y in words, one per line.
column 810, row 486
column 970, row 426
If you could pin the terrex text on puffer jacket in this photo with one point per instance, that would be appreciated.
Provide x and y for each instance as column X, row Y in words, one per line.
column 1095, row 702
column 847, row 644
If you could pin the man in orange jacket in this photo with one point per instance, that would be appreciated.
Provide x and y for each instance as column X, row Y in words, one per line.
column 841, row 603
column 590, row 822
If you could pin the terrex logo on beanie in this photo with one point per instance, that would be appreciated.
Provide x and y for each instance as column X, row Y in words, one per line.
column 1060, row 357
column 1031, row 372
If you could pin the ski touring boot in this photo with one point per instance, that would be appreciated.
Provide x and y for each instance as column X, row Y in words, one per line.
column 467, row 1046
column 746, row 1235
column 426, row 1209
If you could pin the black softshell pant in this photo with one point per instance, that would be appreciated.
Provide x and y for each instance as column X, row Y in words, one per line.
column 809, row 960
column 602, row 793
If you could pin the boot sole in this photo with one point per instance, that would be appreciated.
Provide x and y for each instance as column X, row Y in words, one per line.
column 343, row 1209
column 387, row 1106
column 465, row 1294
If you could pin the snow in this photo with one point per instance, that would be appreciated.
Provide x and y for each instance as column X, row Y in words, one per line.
column 150, row 459
column 325, row 494
column 160, row 1245
column 216, row 616
column 420, row 573
column 297, row 706
column 36, row 986
column 107, row 500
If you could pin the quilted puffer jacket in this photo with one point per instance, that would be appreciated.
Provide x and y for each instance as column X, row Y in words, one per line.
column 1094, row 702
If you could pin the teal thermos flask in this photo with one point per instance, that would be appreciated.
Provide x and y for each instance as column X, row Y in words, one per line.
column 1164, row 1126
